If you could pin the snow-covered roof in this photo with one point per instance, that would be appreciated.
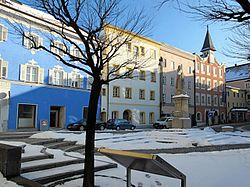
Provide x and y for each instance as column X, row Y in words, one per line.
column 237, row 72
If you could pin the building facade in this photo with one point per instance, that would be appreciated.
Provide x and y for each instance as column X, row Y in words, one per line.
column 138, row 97
column 209, row 86
column 171, row 58
column 238, row 86
column 34, row 85
column 236, row 104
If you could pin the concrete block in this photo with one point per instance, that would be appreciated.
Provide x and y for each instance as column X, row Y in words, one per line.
column 10, row 160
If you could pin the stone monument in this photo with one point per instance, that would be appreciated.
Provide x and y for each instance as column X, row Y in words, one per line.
column 181, row 114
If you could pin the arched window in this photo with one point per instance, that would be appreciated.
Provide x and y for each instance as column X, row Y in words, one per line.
column 198, row 116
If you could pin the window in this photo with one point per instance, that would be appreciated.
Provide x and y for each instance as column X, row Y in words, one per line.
column 115, row 114
column 189, row 85
column 129, row 73
column 197, row 66
column 142, row 51
column 215, row 86
column 75, row 79
column 198, row 99
column 165, row 62
column 151, row 117
column 128, row 93
column 31, row 72
column 221, row 72
column 31, row 40
column 136, row 51
column 116, row 91
column 74, row 51
column 203, row 99
column 129, row 47
column 104, row 92
column 142, row 118
column 203, row 84
column 208, row 84
column 153, row 77
column 26, row 116
column 173, row 65
column 208, row 70
column 3, row 33
column 190, row 70
column 203, row 68
column 116, row 70
column 221, row 86
column 172, row 81
column 164, row 79
column 142, row 75
column 141, row 94
column 152, row 95
column 197, row 83
column 3, row 69
column 57, row 76
column 152, row 54
column 208, row 99
column 58, row 48
column 215, row 71
column 215, row 100
column 198, row 116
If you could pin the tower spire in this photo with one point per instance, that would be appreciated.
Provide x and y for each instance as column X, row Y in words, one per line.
column 208, row 43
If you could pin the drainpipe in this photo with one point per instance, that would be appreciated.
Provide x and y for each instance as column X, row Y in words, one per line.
column 194, row 118
column 160, row 84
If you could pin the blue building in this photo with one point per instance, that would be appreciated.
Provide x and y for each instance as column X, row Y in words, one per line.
column 36, row 86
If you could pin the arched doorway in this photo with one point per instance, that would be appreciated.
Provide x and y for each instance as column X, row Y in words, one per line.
column 127, row 114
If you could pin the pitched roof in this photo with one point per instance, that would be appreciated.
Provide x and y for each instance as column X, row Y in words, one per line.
column 238, row 72
column 208, row 43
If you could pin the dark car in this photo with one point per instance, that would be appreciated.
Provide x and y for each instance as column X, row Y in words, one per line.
column 119, row 124
column 81, row 125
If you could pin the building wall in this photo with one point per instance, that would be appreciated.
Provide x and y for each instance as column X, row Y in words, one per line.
column 171, row 59
column 206, row 71
column 43, row 93
column 134, row 105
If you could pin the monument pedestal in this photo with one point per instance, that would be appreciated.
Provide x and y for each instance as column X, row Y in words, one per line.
column 181, row 114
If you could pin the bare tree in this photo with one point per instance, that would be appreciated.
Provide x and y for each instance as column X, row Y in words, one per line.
column 235, row 12
column 97, row 29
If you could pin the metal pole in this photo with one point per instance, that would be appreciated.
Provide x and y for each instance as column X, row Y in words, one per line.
column 128, row 177
column 195, row 123
column 183, row 182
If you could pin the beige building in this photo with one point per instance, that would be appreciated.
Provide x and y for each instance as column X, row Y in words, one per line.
column 236, row 104
column 171, row 58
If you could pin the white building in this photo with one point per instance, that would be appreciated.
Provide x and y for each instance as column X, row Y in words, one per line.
column 136, row 99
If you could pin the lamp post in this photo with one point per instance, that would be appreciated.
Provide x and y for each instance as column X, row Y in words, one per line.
column 160, row 82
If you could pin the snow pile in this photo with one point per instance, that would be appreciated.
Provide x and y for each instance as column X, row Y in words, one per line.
column 5, row 183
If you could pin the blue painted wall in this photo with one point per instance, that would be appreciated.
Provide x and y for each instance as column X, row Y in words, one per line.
column 45, row 96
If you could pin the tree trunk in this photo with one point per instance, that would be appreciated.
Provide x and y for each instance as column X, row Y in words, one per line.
column 90, row 134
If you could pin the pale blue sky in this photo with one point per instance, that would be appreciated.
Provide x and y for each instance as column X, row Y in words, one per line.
column 178, row 29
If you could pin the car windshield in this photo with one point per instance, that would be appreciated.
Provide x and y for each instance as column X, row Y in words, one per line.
column 162, row 119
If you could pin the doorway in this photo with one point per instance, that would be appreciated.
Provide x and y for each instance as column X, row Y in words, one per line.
column 127, row 114
column 57, row 116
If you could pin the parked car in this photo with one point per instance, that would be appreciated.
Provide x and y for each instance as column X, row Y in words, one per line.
column 81, row 125
column 119, row 124
column 163, row 122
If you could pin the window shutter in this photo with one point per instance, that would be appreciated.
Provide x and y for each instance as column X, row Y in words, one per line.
column 1, row 33
column 41, row 75
column 25, row 40
column 40, row 41
column 89, row 82
column 81, row 81
column 5, row 34
column 65, row 78
column 70, row 79
column 51, row 73
column 23, row 72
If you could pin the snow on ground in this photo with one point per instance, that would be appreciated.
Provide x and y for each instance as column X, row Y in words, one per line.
column 156, row 139
column 5, row 183
column 210, row 169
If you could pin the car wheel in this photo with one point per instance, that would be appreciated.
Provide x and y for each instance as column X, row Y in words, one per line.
column 132, row 128
column 102, row 127
column 118, row 128
column 81, row 128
